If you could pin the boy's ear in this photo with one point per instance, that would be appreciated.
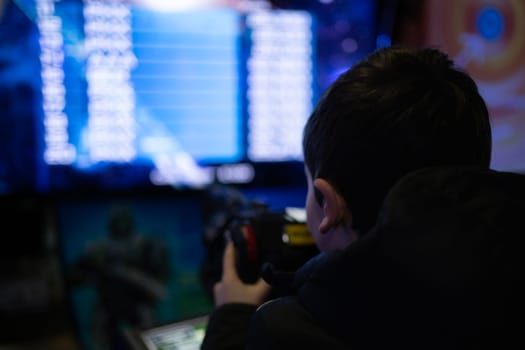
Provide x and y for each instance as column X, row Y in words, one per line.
column 333, row 205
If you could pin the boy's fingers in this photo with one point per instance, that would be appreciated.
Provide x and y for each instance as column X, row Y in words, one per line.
column 263, row 287
column 228, row 261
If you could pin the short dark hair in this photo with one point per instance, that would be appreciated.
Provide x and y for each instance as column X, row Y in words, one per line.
column 398, row 110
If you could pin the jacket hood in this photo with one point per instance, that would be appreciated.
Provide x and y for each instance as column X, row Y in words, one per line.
column 444, row 261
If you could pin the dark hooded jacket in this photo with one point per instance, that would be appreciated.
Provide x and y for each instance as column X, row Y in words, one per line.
column 442, row 269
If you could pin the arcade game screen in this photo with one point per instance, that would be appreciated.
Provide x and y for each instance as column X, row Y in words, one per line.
column 487, row 38
column 142, row 93
column 130, row 262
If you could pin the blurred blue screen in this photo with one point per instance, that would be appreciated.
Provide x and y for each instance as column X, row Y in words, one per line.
column 125, row 94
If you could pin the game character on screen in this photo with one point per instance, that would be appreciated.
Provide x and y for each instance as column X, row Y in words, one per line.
column 397, row 111
column 129, row 272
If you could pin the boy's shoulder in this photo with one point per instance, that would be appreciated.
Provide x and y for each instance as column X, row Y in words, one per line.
column 283, row 323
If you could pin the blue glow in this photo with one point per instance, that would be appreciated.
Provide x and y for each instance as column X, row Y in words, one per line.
column 490, row 23
column 383, row 40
